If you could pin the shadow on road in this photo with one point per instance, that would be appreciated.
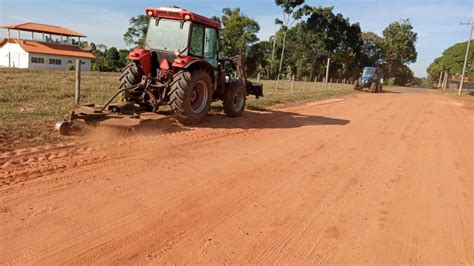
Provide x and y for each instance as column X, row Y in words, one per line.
column 390, row 91
column 265, row 118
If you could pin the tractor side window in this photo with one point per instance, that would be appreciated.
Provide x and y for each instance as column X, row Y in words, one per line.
column 197, row 40
column 210, row 43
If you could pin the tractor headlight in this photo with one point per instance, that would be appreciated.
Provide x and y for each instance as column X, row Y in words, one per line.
column 150, row 13
column 187, row 17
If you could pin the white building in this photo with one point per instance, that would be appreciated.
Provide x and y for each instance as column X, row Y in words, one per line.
column 56, row 48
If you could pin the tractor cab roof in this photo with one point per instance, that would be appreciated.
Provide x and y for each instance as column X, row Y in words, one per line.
column 180, row 14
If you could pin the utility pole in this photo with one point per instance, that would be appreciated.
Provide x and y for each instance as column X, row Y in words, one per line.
column 273, row 40
column 466, row 57
column 327, row 74
column 445, row 80
column 281, row 58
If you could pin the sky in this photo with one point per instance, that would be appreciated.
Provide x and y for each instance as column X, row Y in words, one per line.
column 436, row 22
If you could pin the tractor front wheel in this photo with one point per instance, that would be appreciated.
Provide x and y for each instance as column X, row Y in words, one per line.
column 191, row 96
column 234, row 100
column 373, row 87
column 356, row 85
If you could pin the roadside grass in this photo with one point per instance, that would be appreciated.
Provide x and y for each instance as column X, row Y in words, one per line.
column 49, row 95
column 302, row 92
column 454, row 92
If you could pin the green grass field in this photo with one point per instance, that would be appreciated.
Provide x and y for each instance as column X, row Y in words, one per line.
column 50, row 95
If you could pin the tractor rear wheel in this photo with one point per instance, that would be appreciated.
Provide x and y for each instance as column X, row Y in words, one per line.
column 191, row 96
column 373, row 87
column 234, row 100
column 131, row 75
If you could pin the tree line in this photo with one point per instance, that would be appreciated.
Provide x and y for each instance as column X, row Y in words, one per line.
column 452, row 62
column 307, row 36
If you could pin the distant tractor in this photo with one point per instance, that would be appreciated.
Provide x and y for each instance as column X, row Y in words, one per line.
column 179, row 67
column 370, row 80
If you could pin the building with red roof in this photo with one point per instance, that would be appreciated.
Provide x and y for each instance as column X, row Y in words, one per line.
column 49, row 47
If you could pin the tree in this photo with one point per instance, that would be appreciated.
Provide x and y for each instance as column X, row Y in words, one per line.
column 323, row 34
column 112, row 58
column 93, row 47
column 238, row 33
column 372, row 49
column 123, row 57
column 99, row 62
column 258, row 57
column 399, row 49
column 452, row 61
column 289, row 17
column 136, row 33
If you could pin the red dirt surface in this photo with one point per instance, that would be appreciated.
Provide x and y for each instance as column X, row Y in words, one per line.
column 372, row 179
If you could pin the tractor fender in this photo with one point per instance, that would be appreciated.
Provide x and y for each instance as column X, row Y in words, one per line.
column 143, row 57
column 190, row 62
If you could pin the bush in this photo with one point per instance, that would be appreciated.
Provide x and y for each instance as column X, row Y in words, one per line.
column 70, row 67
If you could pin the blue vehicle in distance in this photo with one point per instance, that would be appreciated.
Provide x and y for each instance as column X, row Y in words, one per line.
column 370, row 79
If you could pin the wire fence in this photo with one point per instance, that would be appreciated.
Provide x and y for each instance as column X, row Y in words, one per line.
column 297, row 86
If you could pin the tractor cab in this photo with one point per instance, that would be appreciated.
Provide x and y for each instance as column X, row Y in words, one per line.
column 177, row 38
column 369, row 74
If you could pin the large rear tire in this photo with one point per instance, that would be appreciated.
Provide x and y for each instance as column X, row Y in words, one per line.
column 131, row 75
column 234, row 100
column 191, row 96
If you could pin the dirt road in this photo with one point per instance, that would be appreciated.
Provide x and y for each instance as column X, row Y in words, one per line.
column 368, row 179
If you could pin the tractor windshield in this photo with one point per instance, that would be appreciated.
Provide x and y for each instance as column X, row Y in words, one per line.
column 167, row 34
column 369, row 72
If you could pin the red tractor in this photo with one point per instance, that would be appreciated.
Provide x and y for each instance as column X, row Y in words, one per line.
column 179, row 66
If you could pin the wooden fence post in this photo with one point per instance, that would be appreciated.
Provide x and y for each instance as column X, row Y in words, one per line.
column 304, row 86
column 292, row 84
column 77, row 98
column 277, row 84
column 327, row 74
column 315, row 81
column 258, row 77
